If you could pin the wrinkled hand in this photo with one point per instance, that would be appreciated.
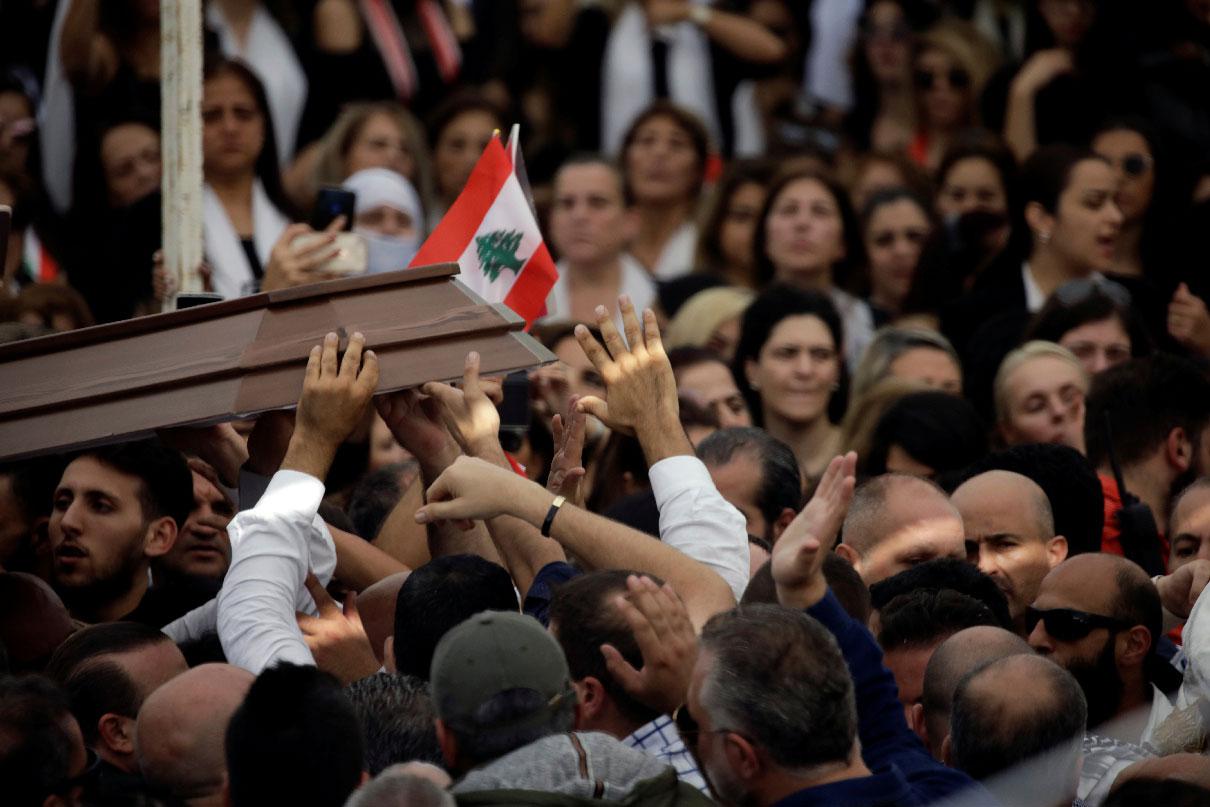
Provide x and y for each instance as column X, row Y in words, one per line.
column 472, row 490
column 468, row 413
column 336, row 637
column 665, row 637
column 566, row 468
column 1041, row 69
column 799, row 553
column 219, row 445
column 334, row 397
column 1189, row 321
column 1180, row 590
column 296, row 266
column 640, row 389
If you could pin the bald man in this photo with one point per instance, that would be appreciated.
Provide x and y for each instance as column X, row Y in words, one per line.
column 952, row 661
column 1022, row 716
column 897, row 521
column 1010, row 534
column 1099, row 616
column 181, row 729
column 33, row 621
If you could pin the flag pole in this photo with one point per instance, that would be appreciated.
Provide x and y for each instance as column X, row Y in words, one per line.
column 181, row 136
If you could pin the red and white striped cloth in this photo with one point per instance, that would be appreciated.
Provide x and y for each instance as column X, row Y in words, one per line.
column 388, row 36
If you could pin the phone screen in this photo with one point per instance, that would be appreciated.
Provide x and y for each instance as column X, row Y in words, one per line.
column 333, row 202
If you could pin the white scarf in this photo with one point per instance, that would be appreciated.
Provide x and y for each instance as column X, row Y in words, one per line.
column 271, row 56
column 232, row 274
column 628, row 80
column 57, row 122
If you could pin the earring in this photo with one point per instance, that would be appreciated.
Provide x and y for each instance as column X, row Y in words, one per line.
column 835, row 386
column 1044, row 238
column 755, row 387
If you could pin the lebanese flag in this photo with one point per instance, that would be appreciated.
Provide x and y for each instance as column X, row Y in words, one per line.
column 492, row 233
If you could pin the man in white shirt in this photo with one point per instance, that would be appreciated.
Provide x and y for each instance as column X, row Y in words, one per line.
column 591, row 224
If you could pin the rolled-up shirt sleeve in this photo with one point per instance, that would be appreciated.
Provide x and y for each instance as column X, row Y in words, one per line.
column 697, row 520
column 270, row 557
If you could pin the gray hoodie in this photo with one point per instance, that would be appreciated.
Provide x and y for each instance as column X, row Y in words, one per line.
column 575, row 768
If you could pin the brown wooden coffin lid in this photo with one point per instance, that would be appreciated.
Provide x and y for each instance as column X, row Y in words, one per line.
column 235, row 358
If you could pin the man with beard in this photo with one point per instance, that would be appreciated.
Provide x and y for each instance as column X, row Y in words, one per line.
column 1159, row 410
column 1010, row 534
column 115, row 509
column 1099, row 616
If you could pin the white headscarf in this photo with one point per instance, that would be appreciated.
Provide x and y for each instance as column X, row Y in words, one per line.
column 382, row 187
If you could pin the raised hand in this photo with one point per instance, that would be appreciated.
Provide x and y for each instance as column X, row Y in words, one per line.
column 472, row 490
column 640, row 389
column 798, row 555
column 1189, row 321
column 468, row 413
column 566, row 470
column 416, row 422
column 334, row 398
column 1180, row 590
column 336, row 637
column 665, row 636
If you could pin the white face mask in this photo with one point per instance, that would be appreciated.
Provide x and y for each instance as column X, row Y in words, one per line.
column 386, row 253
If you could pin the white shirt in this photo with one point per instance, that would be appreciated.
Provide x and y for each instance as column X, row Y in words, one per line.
column 1035, row 298
column 636, row 284
column 676, row 259
column 857, row 321
column 698, row 521
column 834, row 27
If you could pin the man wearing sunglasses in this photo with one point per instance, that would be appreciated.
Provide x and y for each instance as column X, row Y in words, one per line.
column 1099, row 616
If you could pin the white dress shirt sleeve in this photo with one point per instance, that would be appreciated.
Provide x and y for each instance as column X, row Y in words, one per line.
column 697, row 520
column 1196, row 647
column 271, row 553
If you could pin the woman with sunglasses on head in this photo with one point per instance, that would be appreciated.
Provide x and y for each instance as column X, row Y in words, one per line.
column 808, row 237
column 884, row 112
column 1094, row 320
column 953, row 63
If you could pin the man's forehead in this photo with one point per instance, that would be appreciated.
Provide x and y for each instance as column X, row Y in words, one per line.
column 588, row 177
column 1192, row 514
column 89, row 473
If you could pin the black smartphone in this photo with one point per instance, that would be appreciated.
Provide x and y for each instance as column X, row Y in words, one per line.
column 514, row 410
column 333, row 202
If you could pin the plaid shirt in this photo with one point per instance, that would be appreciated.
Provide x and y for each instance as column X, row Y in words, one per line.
column 660, row 739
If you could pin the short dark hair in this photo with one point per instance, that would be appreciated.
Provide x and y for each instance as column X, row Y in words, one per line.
column 984, row 743
column 945, row 573
column 294, row 739
column 771, row 306
column 34, row 482
column 763, row 649
column 941, row 430
column 989, row 149
column 35, row 755
column 843, row 581
column 373, row 498
column 780, row 480
column 1168, row 792
column 925, row 616
column 1145, row 399
column 1077, row 500
column 583, row 618
column 583, row 158
column 1047, row 172
column 166, row 483
column 95, row 685
column 397, row 720
column 1057, row 318
column 440, row 595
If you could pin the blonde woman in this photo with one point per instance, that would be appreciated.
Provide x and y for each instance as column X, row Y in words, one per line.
column 1040, row 392
column 710, row 319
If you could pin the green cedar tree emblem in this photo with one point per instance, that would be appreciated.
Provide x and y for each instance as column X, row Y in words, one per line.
column 498, row 250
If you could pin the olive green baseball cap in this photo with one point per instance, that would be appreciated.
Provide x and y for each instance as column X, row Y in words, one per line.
column 494, row 652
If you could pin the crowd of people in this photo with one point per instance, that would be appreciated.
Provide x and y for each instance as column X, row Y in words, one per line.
column 873, row 467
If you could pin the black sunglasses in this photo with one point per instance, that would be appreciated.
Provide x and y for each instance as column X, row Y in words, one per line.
column 1135, row 165
column 1070, row 625
column 958, row 78
column 1077, row 291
